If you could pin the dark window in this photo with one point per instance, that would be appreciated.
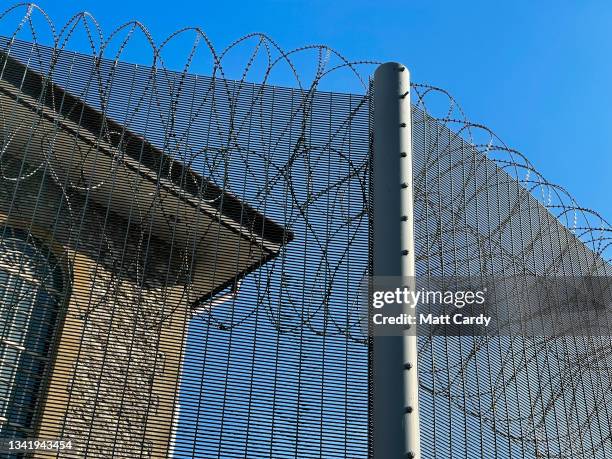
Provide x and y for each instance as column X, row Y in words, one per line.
column 31, row 292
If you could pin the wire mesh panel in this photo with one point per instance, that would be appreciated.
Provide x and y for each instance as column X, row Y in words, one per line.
column 266, row 364
column 503, row 396
column 205, row 240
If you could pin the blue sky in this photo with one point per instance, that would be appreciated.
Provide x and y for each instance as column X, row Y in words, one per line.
column 537, row 73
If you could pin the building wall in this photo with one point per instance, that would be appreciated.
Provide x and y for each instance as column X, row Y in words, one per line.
column 113, row 385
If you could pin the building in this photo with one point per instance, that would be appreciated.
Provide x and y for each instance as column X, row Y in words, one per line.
column 107, row 244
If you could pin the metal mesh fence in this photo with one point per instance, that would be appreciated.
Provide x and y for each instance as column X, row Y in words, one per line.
column 270, row 365
column 502, row 396
column 214, row 233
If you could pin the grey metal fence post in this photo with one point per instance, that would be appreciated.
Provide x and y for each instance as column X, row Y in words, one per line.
column 394, row 417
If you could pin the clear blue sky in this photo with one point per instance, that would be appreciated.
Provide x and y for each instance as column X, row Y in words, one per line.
column 538, row 73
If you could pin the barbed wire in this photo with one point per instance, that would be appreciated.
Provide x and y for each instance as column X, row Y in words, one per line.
column 300, row 156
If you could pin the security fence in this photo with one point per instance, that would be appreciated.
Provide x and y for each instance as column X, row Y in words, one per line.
column 200, row 242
